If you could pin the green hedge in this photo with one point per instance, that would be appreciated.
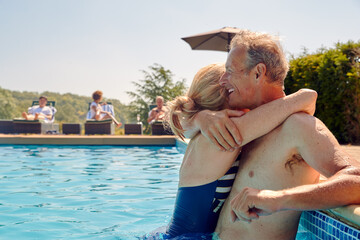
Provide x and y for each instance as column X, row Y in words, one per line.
column 335, row 75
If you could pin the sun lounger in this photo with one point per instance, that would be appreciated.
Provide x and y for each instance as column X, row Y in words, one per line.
column 99, row 127
column 157, row 128
column 107, row 126
column 6, row 126
column 37, row 126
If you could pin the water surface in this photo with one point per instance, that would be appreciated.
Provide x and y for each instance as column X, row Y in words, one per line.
column 86, row 192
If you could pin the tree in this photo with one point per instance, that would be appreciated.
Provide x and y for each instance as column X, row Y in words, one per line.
column 7, row 105
column 158, row 82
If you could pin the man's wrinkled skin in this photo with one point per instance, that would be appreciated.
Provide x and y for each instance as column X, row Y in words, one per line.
column 279, row 172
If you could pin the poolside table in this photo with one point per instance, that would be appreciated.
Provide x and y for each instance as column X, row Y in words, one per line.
column 71, row 128
column 99, row 127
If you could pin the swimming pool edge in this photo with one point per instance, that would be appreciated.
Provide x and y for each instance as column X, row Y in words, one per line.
column 116, row 140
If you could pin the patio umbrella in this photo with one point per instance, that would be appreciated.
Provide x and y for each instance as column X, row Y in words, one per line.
column 217, row 40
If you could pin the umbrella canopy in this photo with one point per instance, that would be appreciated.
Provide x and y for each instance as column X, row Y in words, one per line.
column 217, row 40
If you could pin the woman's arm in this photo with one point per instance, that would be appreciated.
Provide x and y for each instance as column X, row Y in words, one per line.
column 265, row 118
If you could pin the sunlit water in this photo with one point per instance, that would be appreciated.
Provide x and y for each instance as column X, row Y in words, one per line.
column 86, row 192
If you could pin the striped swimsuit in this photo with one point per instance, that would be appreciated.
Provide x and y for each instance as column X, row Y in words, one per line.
column 197, row 208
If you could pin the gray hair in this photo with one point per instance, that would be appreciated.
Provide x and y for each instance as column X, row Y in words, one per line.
column 263, row 48
column 159, row 97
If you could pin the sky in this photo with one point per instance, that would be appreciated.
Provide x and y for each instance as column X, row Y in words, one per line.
column 79, row 46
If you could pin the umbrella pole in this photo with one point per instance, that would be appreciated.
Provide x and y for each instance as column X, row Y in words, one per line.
column 229, row 40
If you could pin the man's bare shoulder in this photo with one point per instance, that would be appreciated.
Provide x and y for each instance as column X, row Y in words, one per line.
column 300, row 119
column 301, row 127
column 302, row 122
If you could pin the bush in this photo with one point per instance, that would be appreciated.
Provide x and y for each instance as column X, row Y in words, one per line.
column 335, row 75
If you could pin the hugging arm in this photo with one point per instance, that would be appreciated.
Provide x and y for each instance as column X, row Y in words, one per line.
column 265, row 118
column 225, row 133
column 218, row 120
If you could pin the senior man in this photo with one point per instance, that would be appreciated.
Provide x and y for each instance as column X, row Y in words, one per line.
column 158, row 113
column 278, row 176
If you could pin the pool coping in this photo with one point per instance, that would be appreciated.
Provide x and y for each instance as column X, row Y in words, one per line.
column 36, row 139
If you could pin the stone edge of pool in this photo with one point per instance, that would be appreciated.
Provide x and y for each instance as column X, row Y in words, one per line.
column 33, row 139
column 348, row 214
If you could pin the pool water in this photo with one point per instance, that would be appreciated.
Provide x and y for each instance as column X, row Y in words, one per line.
column 93, row 192
column 86, row 192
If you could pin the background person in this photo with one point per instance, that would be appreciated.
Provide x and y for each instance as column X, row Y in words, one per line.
column 96, row 111
column 41, row 111
column 158, row 113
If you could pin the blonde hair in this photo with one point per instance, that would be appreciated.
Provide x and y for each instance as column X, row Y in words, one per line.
column 205, row 92
column 263, row 48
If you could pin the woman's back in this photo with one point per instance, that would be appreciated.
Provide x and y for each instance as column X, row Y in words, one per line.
column 204, row 163
column 206, row 177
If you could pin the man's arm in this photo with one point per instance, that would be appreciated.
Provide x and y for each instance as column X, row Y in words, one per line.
column 320, row 150
column 152, row 116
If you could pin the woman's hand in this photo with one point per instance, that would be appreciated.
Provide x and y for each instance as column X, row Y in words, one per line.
column 308, row 97
column 219, row 128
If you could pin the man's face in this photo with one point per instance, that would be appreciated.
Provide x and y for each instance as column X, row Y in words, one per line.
column 238, row 82
column 159, row 102
column 42, row 102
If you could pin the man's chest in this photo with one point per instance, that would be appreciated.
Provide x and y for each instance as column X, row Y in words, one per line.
column 264, row 163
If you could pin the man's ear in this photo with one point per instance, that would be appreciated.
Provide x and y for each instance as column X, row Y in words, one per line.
column 260, row 71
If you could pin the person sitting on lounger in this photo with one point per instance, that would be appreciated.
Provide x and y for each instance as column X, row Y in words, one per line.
column 158, row 113
column 96, row 109
column 41, row 111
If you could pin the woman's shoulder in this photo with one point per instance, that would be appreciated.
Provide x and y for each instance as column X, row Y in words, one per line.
column 203, row 145
column 209, row 151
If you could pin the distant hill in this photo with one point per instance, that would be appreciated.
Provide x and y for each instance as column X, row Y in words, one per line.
column 71, row 108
